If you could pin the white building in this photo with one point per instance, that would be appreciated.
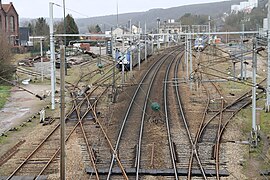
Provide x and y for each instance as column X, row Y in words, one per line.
column 245, row 6
column 118, row 32
column 135, row 29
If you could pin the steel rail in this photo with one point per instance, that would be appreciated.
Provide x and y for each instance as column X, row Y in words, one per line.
column 126, row 117
column 167, row 119
column 71, row 132
column 194, row 144
column 217, row 145
column 43, row 141
column 78, row 123
column 143, row 115
column 90, row 150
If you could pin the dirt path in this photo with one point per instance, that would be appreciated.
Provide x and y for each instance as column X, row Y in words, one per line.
column 22, row 105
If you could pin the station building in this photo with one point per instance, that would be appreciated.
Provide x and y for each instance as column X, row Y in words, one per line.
column 9, row 23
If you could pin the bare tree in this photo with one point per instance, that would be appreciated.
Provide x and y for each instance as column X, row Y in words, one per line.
column 6, row 68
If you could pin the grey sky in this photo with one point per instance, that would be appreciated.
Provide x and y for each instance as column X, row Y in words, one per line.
column 90, row 8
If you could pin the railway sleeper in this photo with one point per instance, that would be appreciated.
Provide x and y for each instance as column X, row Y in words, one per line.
column 158, row 172
column 41, row 177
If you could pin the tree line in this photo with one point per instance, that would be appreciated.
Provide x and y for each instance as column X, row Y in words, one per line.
column 39, row 27
column 229, row 22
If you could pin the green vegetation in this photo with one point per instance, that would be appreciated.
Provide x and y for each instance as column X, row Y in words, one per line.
column 228, row 22
column 4, row 94
column 94, row 29
column 39, row 27
column 6, row 69
column 70, row 28
column 190, row 19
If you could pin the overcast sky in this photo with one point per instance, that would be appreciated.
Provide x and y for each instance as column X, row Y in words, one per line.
column 91, row 8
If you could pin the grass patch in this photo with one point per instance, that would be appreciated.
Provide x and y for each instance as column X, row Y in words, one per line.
column 265, row 123
column 4, row 94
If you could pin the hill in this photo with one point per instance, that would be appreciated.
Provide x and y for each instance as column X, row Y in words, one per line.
column 150, row 16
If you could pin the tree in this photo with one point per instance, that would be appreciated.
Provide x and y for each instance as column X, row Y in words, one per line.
column 6, row 69
column 94, row 29
column 41, row 27
column 71, row 28
column 251, row 20
column 31, row 28
column 190, row 19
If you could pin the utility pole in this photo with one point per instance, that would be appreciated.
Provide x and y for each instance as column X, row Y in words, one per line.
column 267, row 106
column 145, row 44
column 62, row 114
column 123, row 71
column 130, row 26
column 41, row 59
column 130, row 61
column 152, row 44
column 209, row 28
column 254, row 87
column 158, row 43
column 190, row 65
column 52, row 58
column 139, row 46
column 65, row 31
column 115, row 59
column 99, row 54
column 242, row 51
column 187, row 47
column 117, row 14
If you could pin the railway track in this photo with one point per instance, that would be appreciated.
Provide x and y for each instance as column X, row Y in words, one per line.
column 148, row 143
column 186, row 153
column 44, row 158
column 128, row 146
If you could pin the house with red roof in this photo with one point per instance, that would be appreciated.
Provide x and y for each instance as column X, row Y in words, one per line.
column 9, row 22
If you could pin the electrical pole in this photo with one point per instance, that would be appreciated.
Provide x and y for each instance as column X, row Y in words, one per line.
column 52, row 58
column 158, row 24
column 123, row 71
column 190, row 65
column 117, row 14
column 115, row 59
column 99, row 54
column 242, row 51
column 145, row 44
column 254, row 87
column 152, row 44
column 130, row 63
column 62, row 114
column 130, row 26
column 139, row 47
column 267, row 106
column 41, row 59
column 65, row 31
column 187, row 47
column 209, row 28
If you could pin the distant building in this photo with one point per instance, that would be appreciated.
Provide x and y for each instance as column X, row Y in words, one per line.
column 118, row 32
column 171, row 27
column 24, row 36
column 9, row 23
column 135, row 29
column 245, row 6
